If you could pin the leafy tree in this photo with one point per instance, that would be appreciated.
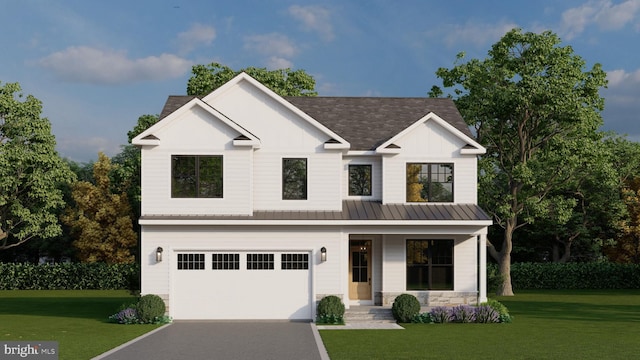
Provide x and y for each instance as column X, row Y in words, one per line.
column 627, row 246
column 284, row 82
column 535, row 109
column 101, row 220
column 30, row 171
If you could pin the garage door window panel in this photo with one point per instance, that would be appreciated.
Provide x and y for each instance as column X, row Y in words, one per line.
column 225, row 261
column 294, row 261
column 190, row 261
column 260, row 262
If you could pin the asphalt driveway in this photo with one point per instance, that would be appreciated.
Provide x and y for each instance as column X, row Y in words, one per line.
column 225, row 340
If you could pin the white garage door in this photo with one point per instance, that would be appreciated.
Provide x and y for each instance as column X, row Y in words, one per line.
column 241, row 285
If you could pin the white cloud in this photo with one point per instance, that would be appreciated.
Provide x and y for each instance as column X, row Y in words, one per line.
column 472, row 33
column 275, row 62
column 602, row 13
column 276, row 47
column 623, row 87
column 197, row 35
column 91, row 65
column 314, row 18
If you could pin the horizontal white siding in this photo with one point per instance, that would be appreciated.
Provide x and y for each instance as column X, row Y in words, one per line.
column 376, row 176
column 323, row 181
column 394, row 262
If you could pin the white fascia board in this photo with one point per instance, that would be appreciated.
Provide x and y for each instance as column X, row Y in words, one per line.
column 336, row 146
column 441, row 122
column 205, row 222
column 245, row 77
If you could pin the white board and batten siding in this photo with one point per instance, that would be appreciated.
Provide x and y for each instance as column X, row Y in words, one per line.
column 430, row 143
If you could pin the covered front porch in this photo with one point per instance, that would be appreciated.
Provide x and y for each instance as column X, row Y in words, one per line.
column 439, row 265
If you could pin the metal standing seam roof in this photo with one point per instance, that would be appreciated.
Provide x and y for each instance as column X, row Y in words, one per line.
column 353, row 210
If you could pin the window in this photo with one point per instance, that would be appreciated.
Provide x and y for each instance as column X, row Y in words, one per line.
column 359, row 180
column 225, row 262
column 196, row 176
column 429, row 182
column 429, row 264
column 294, row 179
column 295, row 261
column 259, row 261
column 190, row 261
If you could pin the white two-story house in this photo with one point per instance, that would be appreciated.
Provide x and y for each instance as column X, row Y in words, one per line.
column 256, row 206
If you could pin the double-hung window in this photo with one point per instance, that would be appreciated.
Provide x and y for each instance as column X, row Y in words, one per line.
column 431, row 182
column 294, row 179
column 196, row 176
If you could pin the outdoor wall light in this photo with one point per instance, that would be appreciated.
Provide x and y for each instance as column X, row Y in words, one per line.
column 323, row 254
column 159, row 254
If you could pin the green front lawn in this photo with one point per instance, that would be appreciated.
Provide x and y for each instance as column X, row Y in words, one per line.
column 546, row 325
column 77, row 320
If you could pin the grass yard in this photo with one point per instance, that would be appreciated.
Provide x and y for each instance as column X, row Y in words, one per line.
column 547, row 325
column 77, row 320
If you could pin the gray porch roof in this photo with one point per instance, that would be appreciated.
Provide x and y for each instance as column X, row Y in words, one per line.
column 353, row 210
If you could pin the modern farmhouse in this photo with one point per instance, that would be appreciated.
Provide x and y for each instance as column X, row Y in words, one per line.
column 255, row 206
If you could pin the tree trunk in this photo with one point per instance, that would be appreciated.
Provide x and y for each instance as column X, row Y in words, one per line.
column 504, row 261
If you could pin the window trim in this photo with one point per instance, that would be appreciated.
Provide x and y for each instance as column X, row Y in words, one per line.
column 430, row 265
column 370, row 166
column 197, row 158
column 430, row 182
column 305, row 187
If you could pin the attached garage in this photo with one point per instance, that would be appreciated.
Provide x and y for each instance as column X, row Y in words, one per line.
column 241, row 285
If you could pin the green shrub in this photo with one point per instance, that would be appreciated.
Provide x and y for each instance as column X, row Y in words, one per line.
column 423, row 318
column 150, row 308
column 569, row 276
column 405, row 307
column 500, row 309
column 69, row 276
column 330, row 310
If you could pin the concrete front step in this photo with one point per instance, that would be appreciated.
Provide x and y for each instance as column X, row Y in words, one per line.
column 368, row 314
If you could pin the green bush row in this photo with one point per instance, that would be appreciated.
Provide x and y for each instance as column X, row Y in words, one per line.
column 594, row 275
column 70, row 276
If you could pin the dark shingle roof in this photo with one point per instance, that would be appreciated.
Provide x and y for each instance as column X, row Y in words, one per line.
column 353, row 210
column 365, row 122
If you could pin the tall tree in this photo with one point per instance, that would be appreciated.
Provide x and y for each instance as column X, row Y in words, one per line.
column 535, row 108
column 284, row 82
column 30, row 170
column 627, row 247
column 100, row 219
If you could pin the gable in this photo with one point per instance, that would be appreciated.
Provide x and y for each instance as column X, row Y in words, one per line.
column 196, row 125
column 432, row 129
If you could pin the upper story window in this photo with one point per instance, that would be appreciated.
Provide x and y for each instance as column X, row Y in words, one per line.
column 359, row 180
column 429, row 182
column 294, row 179
column 196, row 176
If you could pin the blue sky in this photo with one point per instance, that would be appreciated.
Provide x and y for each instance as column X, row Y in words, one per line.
column 99, row 65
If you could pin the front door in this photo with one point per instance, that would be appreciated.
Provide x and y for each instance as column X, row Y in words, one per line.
column 360, row 270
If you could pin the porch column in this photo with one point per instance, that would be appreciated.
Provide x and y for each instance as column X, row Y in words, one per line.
column 482, row 267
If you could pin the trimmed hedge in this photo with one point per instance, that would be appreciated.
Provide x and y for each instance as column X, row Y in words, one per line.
column 593, row 275
column 69, row 276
